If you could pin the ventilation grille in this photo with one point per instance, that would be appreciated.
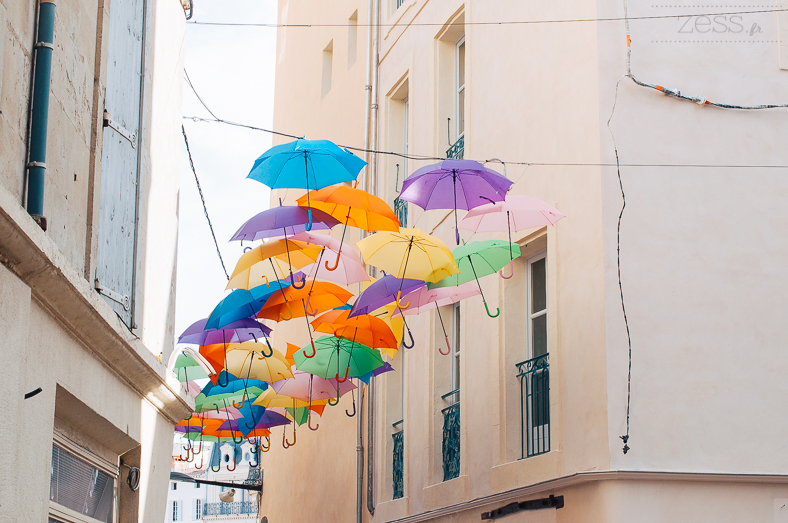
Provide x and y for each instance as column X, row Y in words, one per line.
column 77, row 485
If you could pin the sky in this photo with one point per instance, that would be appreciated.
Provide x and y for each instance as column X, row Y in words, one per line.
column 232, row 69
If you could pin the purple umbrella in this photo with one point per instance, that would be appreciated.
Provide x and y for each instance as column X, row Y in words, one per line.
column 454, row 184
column 236, row 332
column 383, row 292
column 285, row 221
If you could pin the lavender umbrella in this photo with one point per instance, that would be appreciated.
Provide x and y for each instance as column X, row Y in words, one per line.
column 236, row 332
column 454, row 184
column 383, row 292
column 285, row 221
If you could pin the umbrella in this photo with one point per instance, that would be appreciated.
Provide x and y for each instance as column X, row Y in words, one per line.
column 454, row 184
column 365, row 329
column 386, row 367
column 241, row 303
column 286, row 220
column 333, row 354
column 242, row 330
column 478, row 259
column 382, row 292
column 242, row 360
column 214, row 397
column 271, row 261
column 190, row 366
column 257, row 418
column 355, row 207
column 349, row 268
column 304, row 386
column 517, row 212
column 305, row 164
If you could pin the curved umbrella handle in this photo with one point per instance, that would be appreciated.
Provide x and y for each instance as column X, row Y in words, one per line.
column 202, row 462
column 314, row 351
column 448, row 348
column 412, row 342
column 511, row 271
column 332, row 402
column 336, row 263
column 289, row 310
column 236, row 441
column 199, row 451
column 398, row 303
column 309, row 223
column 181, row 458
column 251, row 441
column 219, row 382
column 243, row 400
column 257, row 463
column 270, row 350
column 349, row 415
column 497, row 312
column 250, row 427
column 308, row 309
column 247, row 249
column 293, row 285
column 309, row 422
column 219, row 467
column 190, row 417
column 235, row 463
column 263, row 448
column 295, row 434
column 341, row 380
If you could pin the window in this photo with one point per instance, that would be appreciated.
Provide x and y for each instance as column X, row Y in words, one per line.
column 197, row 485
column 175, row 513
column 352, row 39
column 455, row 348
column 537, row 306
column 328, row 58
column 460, row 81
column 173, row 486
column 197, row 508
column 78, row 488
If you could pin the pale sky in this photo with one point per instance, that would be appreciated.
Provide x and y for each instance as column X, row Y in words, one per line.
column 233, row 70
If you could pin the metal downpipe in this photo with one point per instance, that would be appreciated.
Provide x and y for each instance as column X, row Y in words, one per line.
column 360, row 457
column 39, row 112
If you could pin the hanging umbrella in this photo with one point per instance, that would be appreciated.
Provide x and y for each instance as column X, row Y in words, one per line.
column 517, row 212
column 214, row 397
column 306, row 164
column 303, row 386
column 382, row 292
column 258, row 418
column 285, row 220
column 478, row 259
column 365, row 329
column 271, row 399
column 349, row 267
column 386, row 367
column 247, row 359
column 409, row 253
column 353, row 207
column 335, row 354
column 242, row 303
column 190, row 366
column 271, row 261
column 242, row 330
column 454, row 184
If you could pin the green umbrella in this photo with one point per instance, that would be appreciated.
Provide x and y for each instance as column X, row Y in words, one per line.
column 188, row 369
column 299, row 414
column 478, row 259
column 333, row 354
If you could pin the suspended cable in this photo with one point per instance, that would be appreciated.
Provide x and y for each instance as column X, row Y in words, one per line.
column 202, row 198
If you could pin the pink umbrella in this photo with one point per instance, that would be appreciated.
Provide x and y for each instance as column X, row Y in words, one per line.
column 517, row 212
column 424, row 299
column 298, row 386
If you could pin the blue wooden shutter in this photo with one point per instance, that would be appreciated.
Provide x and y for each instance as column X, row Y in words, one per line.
column 120, row 165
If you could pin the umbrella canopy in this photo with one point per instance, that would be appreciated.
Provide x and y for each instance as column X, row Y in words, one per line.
column 365, row 329
column 187, row 368
column 383, row 292
column 320, row 297
column 284, row 220
column 335, row 355
column 242, row 330
column 248, row 359
column 304, row 386
column 306, row 164
column 228, row 390
column 354, row 208
column 348, row 270
column 272, row 399
column 516, row 213
column 241, row 303
column 271, row 261
column 409, row 253
column 386, row 367
column 454, row 184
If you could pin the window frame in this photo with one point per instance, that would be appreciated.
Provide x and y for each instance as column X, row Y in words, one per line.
column 531, row 316
column 459, row 89
column 456, row 348
column 197, row 509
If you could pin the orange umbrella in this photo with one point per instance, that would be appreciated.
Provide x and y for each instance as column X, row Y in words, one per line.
column 324, row 297
column 353, row 207
column 365, row 329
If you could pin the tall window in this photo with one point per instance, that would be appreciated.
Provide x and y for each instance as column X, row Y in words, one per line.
column 197, row 508
column 173, row 486
column 175, row 511
column 405, row 118
column 328, row 59
column 455, row 348
column 460, row 81
column 80, row 487
column 537, row 306
column 352, row 38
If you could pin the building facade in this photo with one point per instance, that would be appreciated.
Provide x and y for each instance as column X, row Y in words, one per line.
column 90, row 109
column 533, row 402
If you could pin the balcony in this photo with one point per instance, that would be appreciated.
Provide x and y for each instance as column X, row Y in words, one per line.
column 534, row 376
column 457, row 151
column 401, row 211
column 229, row 509
column 451, row 438
column 399, row 445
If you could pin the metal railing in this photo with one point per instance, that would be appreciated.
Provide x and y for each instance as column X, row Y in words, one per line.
column 401, row 211
column 534, row 376
column 457, row 150
column 229, row 509
column 399, row 447
column 451, row 437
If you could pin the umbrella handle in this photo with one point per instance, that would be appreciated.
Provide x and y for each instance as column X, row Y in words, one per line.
column 336, row 263
column 235, row 463
column 511, row 271
column 293, row 285
column 331, row 401
column 309, row 422
column 199, row 451
column 448, row 348
column 257, row 463
column 295, row 434
column 289, row 310
column 342, row 380
column 399, row 304
column 243, row 400
column 270, row 351
column 202, row 462
column 308, row 309
column 354, row 410
column 412, row 343
column 457, row 235
column 219, row 467
column 314, row 351
column 219, row 382
column 236, row 441
column 488, row 311
column 181, row 458
column 190, row 417
column 309, row 223
column 264, row 448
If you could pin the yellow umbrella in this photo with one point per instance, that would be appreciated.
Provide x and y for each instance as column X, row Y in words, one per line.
column 270, row 398
column 409, row 253
column 245, row 360
column 271, row 261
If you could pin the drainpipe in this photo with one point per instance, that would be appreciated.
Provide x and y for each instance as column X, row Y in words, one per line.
column 360, row 457
column 37, row 148
column 370, row 453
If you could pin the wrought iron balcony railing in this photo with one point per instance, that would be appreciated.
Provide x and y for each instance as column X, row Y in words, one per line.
column 451, row 437
column 534, row 376
column 457, row 151
column 401, row 211
column 399, row 444
column 229, row 509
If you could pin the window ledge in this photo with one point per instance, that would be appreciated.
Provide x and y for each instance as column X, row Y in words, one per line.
column 445, row 493
column 392, row 509
column 526, row 471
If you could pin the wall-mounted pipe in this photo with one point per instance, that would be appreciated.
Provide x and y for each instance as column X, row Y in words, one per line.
column 37, row 148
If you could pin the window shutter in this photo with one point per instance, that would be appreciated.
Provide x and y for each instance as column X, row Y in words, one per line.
column 120, row 164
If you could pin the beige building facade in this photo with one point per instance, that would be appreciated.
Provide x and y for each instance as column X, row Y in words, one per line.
column 87, row 284
column 542, row 389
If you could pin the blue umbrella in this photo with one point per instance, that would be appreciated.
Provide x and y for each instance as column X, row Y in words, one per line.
column 242, row 303
column 306, row 164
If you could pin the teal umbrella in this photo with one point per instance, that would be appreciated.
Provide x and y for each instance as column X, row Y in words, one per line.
column 478, row 259
column 306, row 164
